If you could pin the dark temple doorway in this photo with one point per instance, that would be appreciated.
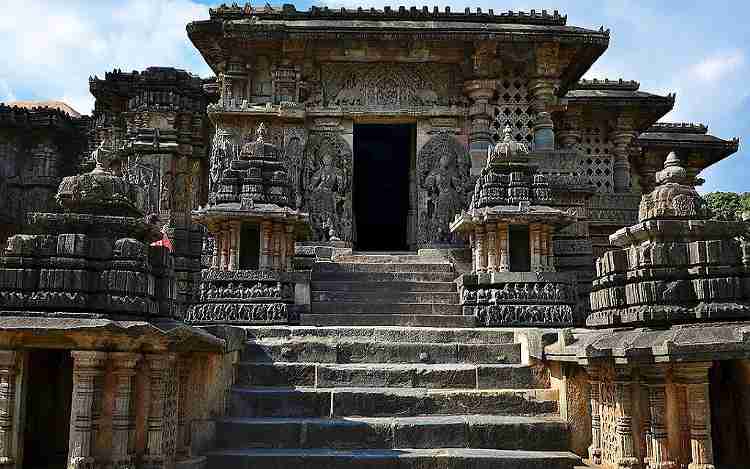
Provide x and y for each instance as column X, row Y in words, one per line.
column 382, row 159
column 49, row 389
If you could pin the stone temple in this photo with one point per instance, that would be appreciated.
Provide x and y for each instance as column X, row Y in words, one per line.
column 397, row 238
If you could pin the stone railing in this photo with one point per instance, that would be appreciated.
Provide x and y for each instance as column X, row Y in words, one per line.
column 519, row 298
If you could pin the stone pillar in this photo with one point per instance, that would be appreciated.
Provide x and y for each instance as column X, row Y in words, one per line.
column 543, row 91
column 659, row 457
column 595, row 450
column 622, row 138
column 503, row 252
column 570, row 135
column 550, row 249
column 183, row 421
column 278, row 230
column 86, row 406
column 162, row 414
column 491, row 247
column 480, row 264
column 479, row 92
column 224, row 236
column 266, row 253
column 234, row 245
column 535, row 246
column 123, row 410
column 289, row 247
column 694, row 376
column 624, row 424
column 9, row 431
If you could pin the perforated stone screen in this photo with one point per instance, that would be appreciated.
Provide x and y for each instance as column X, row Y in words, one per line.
column 513, row 107
column 595, row 159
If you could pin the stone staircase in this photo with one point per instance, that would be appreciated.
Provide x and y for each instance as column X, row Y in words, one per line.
column 389, row 396
column 385, row 290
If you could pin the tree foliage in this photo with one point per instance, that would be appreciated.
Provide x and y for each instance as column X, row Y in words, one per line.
column 727, row 205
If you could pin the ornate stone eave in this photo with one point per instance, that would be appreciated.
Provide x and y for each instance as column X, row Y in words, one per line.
column 97, row 334
column 622, row 96
column 225, row 212
column 680, row 343
column 688, row 139
column 466, row 221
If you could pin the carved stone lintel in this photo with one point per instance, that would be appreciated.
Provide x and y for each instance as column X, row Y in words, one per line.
column 88, row 382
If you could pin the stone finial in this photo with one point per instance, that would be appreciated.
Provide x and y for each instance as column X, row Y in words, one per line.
column 673, row 197
column 506, row 149
column 673, row 171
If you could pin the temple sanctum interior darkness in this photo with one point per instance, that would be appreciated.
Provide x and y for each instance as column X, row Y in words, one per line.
column 382, row 159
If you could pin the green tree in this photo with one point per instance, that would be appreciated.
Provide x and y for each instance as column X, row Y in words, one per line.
column 727, row 205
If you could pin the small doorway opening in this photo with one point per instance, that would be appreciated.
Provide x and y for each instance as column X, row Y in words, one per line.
column 249, row 247
column 520, row 249
column 49, row 390
column 382, row 159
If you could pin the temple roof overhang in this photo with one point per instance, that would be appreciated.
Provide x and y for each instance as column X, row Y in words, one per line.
column 690, row 140
column 623, row 97
column 228, row 212
column 234, row 29
column 515, row 214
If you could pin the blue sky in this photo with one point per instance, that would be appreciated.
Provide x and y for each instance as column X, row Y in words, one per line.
column 698, row 49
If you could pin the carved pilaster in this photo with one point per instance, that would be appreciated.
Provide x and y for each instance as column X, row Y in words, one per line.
column 9, row 367
column 543, row 91
column 278, row 229
column 535, row 246
column 491, row 247
column 595, row 450
column 622, row 138
column 289, row 251
column 624, row 424
column 570, row 134
column 162, row 412
column 694, row 376
column 85, row 412
column 659, row 456
column 183, row 423
column 480, row 92
column 234, row 245
column 480, row 250
column 123, row 410
column 266, row 254
column 504, row 253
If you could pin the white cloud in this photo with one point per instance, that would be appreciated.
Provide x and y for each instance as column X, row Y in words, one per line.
column 53, row 55
column 718, row 66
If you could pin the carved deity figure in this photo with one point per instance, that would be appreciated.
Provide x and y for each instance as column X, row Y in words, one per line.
column 327, row 190
column 444, row 197
column 505, row 149
column 167, row 189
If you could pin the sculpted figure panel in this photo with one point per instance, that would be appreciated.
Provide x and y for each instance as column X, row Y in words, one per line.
column 327, row 186
column 443, row 165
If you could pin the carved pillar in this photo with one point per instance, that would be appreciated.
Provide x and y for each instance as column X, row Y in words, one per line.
column 622, row 138
column 85, row 411
column 504, row 253
column 491, row 247
column 183, row 420
column 550, row 250
column 278, row 230
column 694, row 376
column 535, row 246
column 570, row 135
column 480, row 92
column 595, row 450
column 266, row 253
column 289, row 247
column 224, row 236
column 123, row 410
column 9, row 431
column 234, row 236
column 659, row 457
column 480, row 250
column 543, row 91
column 162, row 414
column 216, row 259
column 624, row 424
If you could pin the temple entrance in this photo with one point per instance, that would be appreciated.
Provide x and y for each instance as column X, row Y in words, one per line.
column 382, row 159
column 46, row 427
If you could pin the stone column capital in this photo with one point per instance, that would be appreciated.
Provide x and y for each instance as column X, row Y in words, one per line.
column 691, row 373
column 482, row 89
column 88, row 359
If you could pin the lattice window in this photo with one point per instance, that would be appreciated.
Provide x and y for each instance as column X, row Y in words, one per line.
column 596, row 158
column 514, row 108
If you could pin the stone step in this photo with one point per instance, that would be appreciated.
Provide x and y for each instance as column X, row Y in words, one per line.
column 545, row 433
column 406, row 320
column 401, row 375
column 332, row 276
column 352, row 307
column 386, row 296
column 368, row 351
column 387, row 402
column 441, row 458
column 386, row 333
column 386, row 258
column 394, row 286
column 431, row 267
